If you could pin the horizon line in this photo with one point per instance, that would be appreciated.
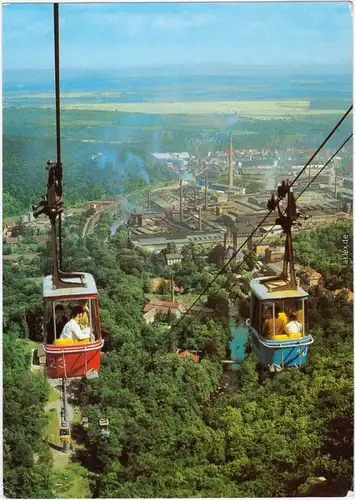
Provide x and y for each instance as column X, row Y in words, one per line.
column 213, row 64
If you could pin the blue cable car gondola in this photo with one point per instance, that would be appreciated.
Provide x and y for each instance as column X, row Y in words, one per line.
column 278, row 323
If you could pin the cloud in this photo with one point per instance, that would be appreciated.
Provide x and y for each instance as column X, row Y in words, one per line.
column 180, row 22
column 20, row 22
column 132, row 24
column 107, row 35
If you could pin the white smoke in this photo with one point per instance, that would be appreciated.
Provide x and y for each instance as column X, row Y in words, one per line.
column 270, row 176
column 270, row 179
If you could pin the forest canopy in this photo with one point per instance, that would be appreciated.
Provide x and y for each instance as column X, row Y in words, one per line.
column 171, row 434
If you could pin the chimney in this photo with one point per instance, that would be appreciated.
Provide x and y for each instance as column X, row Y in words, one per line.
column 148, row 200
column 172, row 289
column 206, row 190
column 335, row 188
column 139, row 220
column 199, row 218
column 230, row 162
column 235, row 239
column 181, row 208
column 225, row 242
column 195, row 195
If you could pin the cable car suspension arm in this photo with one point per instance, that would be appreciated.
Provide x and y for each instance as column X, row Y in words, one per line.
column 52, row 203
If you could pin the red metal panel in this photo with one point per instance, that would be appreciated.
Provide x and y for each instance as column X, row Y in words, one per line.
column 73, row 360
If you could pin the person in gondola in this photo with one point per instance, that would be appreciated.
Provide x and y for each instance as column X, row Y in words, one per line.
column 268, row 326
column 60, row 321
column 268, row 329
column 280, row 326
column 72, row 328
column 85, row 319
column 294, row 326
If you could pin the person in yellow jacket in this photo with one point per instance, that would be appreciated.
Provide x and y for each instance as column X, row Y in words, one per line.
column 269, row 322
column 281, row 316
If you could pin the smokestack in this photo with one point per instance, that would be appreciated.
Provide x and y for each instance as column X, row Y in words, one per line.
column 335, row 188
column 230, row 162
column 195, row 195
column 181, row 209
column 206, row 189
column 148, row 200
column 225, row 242
column 235, row 239
column 172, row 289
column 199, row 218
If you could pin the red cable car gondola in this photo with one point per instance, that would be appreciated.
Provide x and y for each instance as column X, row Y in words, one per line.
column 69, row 355
column 65, row 357
column 70, row 347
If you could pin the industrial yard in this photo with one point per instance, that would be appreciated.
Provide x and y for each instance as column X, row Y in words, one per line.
column 221, row 198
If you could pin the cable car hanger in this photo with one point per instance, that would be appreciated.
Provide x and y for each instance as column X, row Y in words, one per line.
column 51, row 203
column 286, row 219
column 174, row 326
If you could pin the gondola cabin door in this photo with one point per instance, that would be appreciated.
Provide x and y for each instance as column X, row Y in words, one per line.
column 72, row 334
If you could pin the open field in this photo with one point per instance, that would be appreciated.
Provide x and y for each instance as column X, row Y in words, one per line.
column 63, row 95
column 72, row 481
column 250, row 109
column 51, row 432
column 53, row 395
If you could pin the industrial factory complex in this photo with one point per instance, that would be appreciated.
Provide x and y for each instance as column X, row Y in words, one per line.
column 221, row 198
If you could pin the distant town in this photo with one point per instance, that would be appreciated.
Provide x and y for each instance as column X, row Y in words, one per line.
column 219, row 200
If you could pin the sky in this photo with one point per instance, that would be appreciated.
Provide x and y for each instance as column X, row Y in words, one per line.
column 114, row 36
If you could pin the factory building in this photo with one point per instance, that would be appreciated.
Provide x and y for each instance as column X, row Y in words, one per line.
column 180, row 238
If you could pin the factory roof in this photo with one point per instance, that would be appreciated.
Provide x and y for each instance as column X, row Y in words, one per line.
column 162, row 203
column 180, row 235
column 162, row 241
column 248, row 205
column 143, row 230
column 272, row 228
column 244, row 227
column 319, row 213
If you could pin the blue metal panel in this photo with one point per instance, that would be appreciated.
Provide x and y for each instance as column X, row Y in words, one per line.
column 238, row 344
column 285, row 353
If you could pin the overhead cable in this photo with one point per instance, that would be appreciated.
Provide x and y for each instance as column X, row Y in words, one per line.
column 174, row 327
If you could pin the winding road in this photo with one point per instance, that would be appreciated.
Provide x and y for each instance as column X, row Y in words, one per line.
column 90, row 223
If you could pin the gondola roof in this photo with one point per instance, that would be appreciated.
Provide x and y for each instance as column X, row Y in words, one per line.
column 89, row 289
column 263, row 293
